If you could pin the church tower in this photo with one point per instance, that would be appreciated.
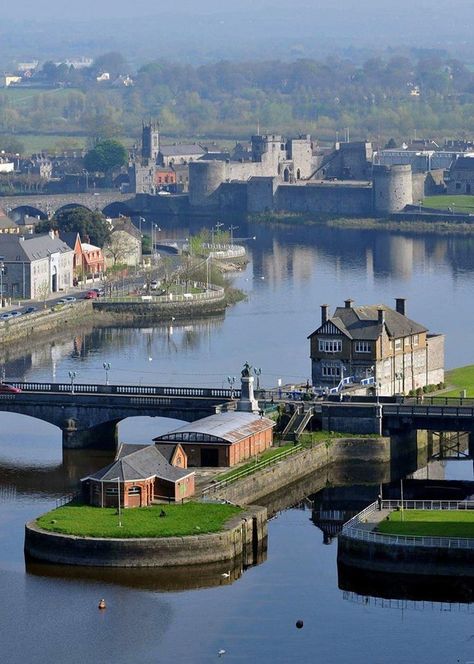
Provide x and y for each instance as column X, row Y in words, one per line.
column 150, row 141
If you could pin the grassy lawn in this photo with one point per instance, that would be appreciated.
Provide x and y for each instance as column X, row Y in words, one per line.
column 322, row 436
column 461, row 203
column 268, row 454
column 188, row 519
column 460, row 379
column 437, row 523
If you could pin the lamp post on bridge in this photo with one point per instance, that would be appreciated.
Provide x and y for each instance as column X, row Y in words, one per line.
column 258, row 373
column 72, row 376
column 2, row 269
column 232, row 228
column 231, row 380
column 107, row 367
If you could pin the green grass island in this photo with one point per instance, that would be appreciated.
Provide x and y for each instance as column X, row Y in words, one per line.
column 429, row 523
column 172, row 520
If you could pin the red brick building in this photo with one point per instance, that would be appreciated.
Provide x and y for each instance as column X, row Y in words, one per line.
column 224, row 439
column 140, row 474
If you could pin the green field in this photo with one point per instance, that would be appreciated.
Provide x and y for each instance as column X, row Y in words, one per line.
column 459, row 203
column 460, row 379
column 436, row 523
column 265, row 456
column 180, row 520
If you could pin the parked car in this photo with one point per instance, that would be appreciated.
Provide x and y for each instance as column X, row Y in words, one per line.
column 15, row 314
column 154, row 285
column 29, row 310
column 91, row 295
column 99, row 291
column 9, row 389
column 67, row 300
column 5, row 316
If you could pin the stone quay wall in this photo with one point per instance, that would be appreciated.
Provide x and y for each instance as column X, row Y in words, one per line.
column 406, row 559
column 251, row 489
column 240, row 539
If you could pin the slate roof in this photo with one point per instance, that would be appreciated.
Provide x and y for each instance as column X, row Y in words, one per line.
column 230, row 427
column 69, row 237
column 181, row 149
column 31, row 248
column 463, row 164
column 361, row 323
column 141, row 464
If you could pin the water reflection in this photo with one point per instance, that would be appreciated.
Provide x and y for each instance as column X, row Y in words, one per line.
column 166, row 579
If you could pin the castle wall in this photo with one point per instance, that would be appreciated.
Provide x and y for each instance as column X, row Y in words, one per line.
column 393, row 188
column 325, row 199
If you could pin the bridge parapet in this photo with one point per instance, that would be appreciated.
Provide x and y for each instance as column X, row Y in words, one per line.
column 50, row 204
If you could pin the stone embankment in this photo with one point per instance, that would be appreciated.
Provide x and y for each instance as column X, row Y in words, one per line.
column 362, row 547
column 254, row 487
column 240, row 540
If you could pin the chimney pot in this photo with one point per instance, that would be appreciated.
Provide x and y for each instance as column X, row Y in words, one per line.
column 381, row 315
column 348, row 303
column 400, row 304
column 324, row 313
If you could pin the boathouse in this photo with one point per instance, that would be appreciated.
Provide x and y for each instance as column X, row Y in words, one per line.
column 224, row 439
column 140, row 474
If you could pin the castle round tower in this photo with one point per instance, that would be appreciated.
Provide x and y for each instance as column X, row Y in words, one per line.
column 393, row 188
column 205, row 178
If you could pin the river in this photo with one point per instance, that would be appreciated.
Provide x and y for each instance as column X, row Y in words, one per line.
column 51, row 615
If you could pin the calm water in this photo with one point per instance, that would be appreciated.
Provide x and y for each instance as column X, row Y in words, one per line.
column 54, row 617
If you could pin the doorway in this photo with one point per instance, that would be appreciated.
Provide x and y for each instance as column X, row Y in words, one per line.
column 209, row 457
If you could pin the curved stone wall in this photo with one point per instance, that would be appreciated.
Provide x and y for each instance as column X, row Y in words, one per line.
column 239, row 539
column 205, row 178
column 392, row 188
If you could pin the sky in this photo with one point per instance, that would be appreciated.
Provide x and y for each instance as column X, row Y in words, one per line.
column 203, row 30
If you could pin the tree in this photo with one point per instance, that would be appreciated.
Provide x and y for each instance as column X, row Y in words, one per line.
column 91, row 226
column 118, row 247
column 106, row 156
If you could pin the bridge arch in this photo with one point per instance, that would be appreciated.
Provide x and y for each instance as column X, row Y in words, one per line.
column 72, row 206
column 117, row 208
column 27, row 211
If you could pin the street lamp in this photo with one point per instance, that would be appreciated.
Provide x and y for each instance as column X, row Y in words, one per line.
column 106, row 366
column 231, row 380
column 258, row 373
column 72, row 376
column 2, row 269
column 86, row 173
column 140, row 220
column 217, row 226
column 117, row 479
column 232, row 228
column 208, row 260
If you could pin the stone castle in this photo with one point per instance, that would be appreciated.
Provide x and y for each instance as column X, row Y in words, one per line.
column 288, row 175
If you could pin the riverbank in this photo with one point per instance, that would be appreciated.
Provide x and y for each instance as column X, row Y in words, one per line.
column 416, row 225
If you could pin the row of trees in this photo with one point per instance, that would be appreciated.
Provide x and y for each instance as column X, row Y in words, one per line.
column 231, row 98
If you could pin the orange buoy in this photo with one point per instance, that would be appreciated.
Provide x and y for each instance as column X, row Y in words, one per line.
column 102, row 604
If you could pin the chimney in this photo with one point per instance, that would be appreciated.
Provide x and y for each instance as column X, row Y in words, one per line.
column 324, row 313
column 400, row 305
column 51, row 234
column 381, row 315
column 348, row 304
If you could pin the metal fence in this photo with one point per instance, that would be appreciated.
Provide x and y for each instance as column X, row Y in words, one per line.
column 245, row 472
column 356, row 528
column 211, row 293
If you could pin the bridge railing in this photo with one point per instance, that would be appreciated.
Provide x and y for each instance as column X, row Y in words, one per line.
column 428, row 410
column 129, row 390
column 356, row 528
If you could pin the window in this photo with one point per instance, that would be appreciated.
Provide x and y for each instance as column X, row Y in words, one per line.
column 407, row 341
column 134, row 491
column 111, row 491
column 416, row 340
column 398, row 344
column 331, row 370
column 362, row 347
column 330, row 346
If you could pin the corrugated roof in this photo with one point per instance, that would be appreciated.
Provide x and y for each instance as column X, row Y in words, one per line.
column 230, row 427
column 138, row 465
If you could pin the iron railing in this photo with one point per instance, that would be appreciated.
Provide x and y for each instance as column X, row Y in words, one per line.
column 245, row 472
column 353, row 530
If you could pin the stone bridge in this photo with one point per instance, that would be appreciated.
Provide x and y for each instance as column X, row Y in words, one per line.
column 88, row 414
column 111, row 202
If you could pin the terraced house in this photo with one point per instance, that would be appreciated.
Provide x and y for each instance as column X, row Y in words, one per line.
column 375, row 346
